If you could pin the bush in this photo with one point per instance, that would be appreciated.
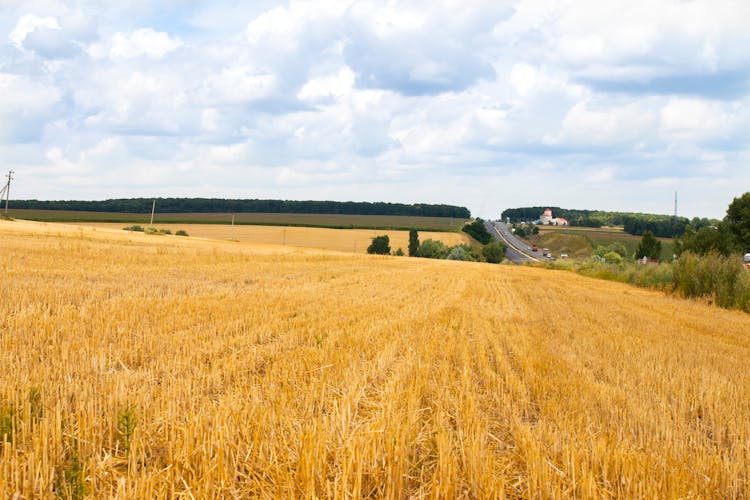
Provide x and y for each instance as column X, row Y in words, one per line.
column 617, row 248
column 612, row 258
column 165, row 231
column 399, row 253
column 656, row 276
column 432, row 249
column 151, row 230
column 380, row 245
column 181, row 232
column 133, row 228
column 721, row 279
column 457, row 253
column 494, row 252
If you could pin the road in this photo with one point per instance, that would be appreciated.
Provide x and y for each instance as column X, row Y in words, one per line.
column 517, row 251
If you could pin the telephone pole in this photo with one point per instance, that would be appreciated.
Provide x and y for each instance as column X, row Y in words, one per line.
column 153, row 207
column 6, row 191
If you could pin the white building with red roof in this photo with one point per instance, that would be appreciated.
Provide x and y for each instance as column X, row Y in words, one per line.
column 547, row 219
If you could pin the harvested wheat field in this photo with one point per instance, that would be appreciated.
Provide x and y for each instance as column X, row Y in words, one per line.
column 151, row 367
column 342, row 240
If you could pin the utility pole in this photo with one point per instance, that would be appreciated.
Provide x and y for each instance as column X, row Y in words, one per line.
column 153, row 207
column 7, row 190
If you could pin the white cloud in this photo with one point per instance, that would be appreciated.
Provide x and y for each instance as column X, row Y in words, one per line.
column 589, row 125
column 334, row 85
column 523, row 78
column 25, row 107
column 408, row 100
column 685, row 117
column 601, row 175
column 27, row 24
column 144, row 42
column 238, row 83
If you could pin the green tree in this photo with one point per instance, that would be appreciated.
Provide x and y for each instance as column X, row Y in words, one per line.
column 478, row 231
column 380, row 245
column 705, row 240
column 413, row 242
column 494, row 252
column 738, row 221
column 649, row 247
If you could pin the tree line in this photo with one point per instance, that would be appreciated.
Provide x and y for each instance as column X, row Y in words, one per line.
column 662, row 226
column 221, row 205
column 729, row 236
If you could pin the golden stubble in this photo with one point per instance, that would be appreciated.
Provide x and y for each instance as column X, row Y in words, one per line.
column 139, row 366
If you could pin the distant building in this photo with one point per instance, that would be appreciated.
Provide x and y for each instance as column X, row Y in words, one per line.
column 547, row 219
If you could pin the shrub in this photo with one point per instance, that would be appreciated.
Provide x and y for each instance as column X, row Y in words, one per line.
column 721, row 279
column 432, row 249
column 612, row 258
column 494, row 252
column 457, row 253
column 658, row 276
column 380, row 245
column 399, row 253
column 151, row 230
column 133, row 228
column 181, row 232
column 165, row 231
column 617, row 248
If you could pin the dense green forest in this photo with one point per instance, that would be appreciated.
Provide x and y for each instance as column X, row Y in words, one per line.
column 664, row 226
column 214, row 205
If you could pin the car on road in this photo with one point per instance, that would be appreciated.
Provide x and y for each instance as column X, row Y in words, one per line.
column 746, row 260
column 534, row 248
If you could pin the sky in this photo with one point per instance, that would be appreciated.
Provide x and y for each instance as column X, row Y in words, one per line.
column 603, row 104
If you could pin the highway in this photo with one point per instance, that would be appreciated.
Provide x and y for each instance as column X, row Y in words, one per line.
column 517, row 251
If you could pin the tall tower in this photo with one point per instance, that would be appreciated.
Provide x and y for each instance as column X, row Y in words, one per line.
column 675, row 205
